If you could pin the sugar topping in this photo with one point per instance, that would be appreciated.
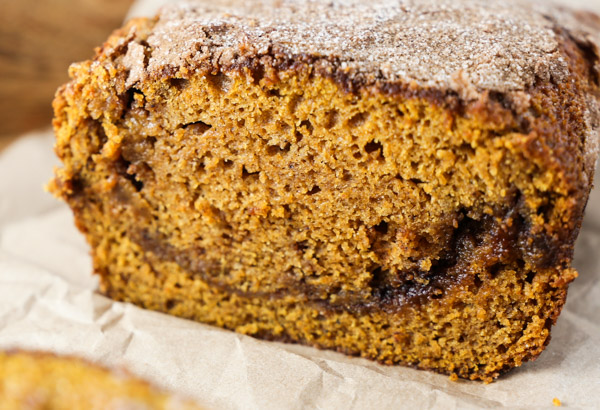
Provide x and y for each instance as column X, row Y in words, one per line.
column 467, row 46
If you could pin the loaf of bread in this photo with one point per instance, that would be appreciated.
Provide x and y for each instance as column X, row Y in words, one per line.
column 36, row 380
column 396, row 179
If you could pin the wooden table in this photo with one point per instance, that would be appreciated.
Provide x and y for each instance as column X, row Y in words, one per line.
column 38, row 41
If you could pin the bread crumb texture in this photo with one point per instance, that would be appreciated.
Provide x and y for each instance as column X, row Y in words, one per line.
column 370, row 215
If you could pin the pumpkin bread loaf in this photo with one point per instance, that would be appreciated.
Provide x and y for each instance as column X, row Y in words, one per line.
column 36, row 380
column 400, row 180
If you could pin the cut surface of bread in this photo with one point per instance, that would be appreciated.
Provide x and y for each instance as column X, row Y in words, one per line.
column 328, row 189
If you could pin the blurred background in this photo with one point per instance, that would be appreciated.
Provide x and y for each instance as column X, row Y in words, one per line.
column 39, row 39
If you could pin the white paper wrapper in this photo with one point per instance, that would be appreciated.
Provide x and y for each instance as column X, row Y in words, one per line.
column 48, row 302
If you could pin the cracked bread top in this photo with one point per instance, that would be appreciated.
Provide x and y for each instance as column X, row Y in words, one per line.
column 465, row 46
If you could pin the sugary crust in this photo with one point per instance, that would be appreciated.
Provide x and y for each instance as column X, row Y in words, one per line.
column 591, row 147
column 448, row 45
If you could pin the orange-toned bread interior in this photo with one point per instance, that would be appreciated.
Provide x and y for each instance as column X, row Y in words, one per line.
column 276, row 204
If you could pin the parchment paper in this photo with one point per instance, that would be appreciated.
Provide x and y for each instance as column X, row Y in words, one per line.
column 48, row 302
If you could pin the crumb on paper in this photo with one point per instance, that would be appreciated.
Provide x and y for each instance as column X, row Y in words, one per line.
column 453, row 377
column 556, row 402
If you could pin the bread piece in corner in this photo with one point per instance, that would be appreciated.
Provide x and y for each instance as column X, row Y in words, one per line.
column 40, row 380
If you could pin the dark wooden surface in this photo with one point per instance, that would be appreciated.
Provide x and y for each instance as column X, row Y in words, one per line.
column 39, row 39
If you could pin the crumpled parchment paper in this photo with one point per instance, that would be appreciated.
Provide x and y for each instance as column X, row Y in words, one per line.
column 48, row 302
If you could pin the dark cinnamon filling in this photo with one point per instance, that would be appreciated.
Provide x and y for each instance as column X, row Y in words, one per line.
column 478, row 250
